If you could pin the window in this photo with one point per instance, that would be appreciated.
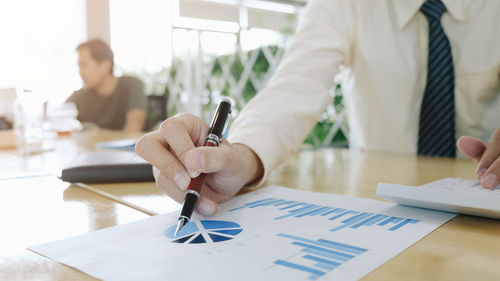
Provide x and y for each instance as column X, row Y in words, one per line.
column 140, row 34
column 37, row 49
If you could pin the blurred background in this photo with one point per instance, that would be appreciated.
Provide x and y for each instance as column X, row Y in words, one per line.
column 189, row 53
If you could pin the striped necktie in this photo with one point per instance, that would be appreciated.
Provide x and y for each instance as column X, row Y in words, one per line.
column 436, row 136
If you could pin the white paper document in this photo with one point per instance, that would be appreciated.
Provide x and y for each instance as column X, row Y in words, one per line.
column 274, row 233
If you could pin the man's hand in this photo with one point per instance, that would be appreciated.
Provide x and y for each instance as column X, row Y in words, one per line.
column 488, row 156
column 177, row 155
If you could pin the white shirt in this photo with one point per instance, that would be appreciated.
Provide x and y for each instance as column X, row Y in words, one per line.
column 382, row 46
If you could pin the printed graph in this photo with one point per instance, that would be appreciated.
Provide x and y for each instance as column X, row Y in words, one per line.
column 205, row 231
column 347, row 218
column 319, row 257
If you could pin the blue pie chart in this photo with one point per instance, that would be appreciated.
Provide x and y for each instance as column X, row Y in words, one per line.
column 205, row 231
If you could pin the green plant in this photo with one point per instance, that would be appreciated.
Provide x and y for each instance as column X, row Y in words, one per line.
column 320, row 132
column 225, row 75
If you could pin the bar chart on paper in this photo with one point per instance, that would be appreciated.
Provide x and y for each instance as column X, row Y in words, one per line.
column 274, row 233
column 348, row 218
column 318, row 257
column 315, row 258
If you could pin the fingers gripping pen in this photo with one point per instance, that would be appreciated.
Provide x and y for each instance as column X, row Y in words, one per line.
column 215, row 132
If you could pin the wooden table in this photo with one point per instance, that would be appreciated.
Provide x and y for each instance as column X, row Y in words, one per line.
column 64, row 149
column 36, row 207
column 42, row 209
column 466, row 248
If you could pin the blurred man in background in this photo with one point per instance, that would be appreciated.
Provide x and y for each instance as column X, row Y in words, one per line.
column 111, row 102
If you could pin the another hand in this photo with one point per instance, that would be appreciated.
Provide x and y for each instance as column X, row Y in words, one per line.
column 177, row 154
column 488, row 156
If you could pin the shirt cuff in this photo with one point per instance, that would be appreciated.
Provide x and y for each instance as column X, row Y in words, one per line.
column 269, row 147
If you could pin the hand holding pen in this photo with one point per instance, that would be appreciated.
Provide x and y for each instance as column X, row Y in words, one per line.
column 215, row 133
column 178, row 155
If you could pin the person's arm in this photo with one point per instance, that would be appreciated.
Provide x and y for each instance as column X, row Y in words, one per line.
column 277, row 120
column 135, row 120
column 137, row 106
column 75, row 98
column 270, row 127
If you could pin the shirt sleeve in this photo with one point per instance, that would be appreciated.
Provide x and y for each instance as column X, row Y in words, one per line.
column 76, row 98
column 137, row 98
column 73, row 98
column 277, row 120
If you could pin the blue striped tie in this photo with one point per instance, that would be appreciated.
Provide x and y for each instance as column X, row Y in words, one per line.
column 436, row 136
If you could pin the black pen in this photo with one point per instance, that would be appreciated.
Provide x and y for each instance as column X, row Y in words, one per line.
column 214, row 137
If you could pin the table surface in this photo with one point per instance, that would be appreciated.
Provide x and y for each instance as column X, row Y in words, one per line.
column 40, row 208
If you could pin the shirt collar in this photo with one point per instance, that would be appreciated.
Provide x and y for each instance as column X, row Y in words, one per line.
column 406, row 10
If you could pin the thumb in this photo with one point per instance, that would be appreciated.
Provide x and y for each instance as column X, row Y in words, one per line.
column 471, row 147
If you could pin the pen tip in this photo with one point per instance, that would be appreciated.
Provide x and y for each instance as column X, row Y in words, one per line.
column 181, row 224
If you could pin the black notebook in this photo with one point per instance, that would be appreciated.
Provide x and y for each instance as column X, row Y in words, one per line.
column 108, row 167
